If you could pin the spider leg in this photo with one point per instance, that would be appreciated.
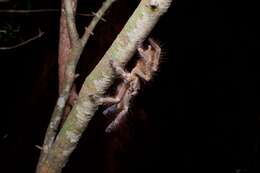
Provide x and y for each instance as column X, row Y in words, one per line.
column 110, row 110
column 116, row 122
column 125, row 104
column 157, row 54
column 119, row 70
column 143, row 75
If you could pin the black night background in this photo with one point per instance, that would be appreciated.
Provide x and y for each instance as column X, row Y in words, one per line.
column 199, row 114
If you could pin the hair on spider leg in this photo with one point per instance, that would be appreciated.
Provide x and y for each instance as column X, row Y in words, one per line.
column 163, row 47
column 163, row 58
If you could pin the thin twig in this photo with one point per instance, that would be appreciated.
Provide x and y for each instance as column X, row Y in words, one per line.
column 24, row 42
column 97, row 16
column 41, row 11
column 73, row 33
column 3, row 31
column 84, row 14
column 29, row 11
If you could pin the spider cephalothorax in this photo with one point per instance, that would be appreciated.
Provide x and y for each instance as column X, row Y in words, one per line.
column 145, row 67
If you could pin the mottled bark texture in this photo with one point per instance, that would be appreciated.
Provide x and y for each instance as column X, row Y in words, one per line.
column 134, row 32
column 64, row 52
column 70, row 49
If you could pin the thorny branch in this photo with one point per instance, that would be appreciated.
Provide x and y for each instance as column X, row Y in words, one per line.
column 93, row 23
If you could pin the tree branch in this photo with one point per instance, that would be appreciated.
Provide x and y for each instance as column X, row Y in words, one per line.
column 64, row 45
column 93, row 23
column 63, row 58
column 70, row 16
column 69, row 53
column 135, row 31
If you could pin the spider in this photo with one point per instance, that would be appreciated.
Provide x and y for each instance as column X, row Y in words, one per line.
column 126, row 91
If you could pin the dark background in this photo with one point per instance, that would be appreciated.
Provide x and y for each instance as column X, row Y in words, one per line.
column 201, row 112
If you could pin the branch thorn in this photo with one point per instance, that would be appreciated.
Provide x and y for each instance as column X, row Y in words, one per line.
column 39, row 147
column 98, row 16
column 89, row 31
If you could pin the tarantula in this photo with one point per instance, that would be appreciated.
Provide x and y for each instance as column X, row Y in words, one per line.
column 144, row 69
